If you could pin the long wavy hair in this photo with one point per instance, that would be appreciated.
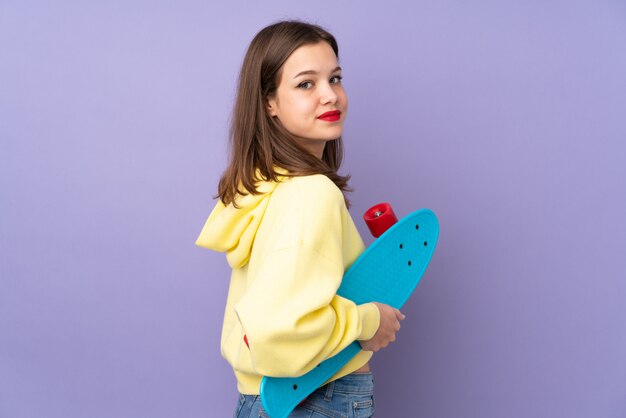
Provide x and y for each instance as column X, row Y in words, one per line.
column 258, row 142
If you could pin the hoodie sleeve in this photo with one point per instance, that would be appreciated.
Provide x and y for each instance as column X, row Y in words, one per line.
column 291, row 315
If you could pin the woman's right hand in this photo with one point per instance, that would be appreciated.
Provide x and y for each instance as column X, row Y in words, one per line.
column 390, row 318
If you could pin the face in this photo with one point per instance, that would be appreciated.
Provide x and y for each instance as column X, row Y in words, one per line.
column 310, row 101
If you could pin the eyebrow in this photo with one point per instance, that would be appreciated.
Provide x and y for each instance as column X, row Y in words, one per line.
column 315, row 72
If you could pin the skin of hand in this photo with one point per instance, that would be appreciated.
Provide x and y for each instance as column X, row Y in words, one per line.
column 390, row 318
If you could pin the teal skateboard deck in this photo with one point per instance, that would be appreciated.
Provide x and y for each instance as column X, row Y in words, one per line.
column 386, row 272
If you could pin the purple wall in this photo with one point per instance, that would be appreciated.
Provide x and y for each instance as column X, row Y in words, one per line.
column 506, row 119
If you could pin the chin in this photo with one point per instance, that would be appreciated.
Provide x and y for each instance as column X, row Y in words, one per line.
column 331, row 134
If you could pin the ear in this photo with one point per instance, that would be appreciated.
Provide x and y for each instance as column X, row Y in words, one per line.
column 272, row 106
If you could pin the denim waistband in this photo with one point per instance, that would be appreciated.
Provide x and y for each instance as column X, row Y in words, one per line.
column 353, row 392
column 352, row 383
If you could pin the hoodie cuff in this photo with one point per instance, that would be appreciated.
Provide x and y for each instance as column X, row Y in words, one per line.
column 370, row 320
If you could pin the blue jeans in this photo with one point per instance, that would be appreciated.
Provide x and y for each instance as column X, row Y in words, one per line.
column 351, row 396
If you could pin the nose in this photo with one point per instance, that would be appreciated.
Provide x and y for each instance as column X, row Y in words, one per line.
column 328, row 94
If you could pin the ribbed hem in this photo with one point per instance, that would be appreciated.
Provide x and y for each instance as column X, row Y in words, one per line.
column 250, row 384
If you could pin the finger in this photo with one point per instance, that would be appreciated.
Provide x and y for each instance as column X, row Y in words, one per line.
column 399, row 315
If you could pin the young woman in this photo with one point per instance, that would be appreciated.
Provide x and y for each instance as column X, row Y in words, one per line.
column 283, row 222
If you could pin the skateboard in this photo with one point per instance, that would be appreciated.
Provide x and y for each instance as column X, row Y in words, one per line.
column 386, row 272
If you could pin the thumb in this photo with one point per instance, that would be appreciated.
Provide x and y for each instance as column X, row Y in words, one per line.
column 399, row 315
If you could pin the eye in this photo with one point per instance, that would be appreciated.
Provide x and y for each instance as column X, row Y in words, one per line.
column 336, row 79
column 305, row 85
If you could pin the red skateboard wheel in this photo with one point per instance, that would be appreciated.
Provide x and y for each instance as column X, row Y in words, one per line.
column 379, row 218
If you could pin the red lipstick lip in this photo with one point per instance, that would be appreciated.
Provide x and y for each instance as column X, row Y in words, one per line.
column 330, row 116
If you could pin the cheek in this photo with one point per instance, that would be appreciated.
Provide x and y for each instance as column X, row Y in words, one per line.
column 293, row 103
column 303, row 107
column 342, row 98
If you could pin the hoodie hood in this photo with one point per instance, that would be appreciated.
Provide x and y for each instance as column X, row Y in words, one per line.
column 232, row 230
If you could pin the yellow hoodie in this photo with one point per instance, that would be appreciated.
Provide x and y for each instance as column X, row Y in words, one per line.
column 288, row 247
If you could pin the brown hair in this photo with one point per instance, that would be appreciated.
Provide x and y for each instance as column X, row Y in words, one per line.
column 258, row 141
